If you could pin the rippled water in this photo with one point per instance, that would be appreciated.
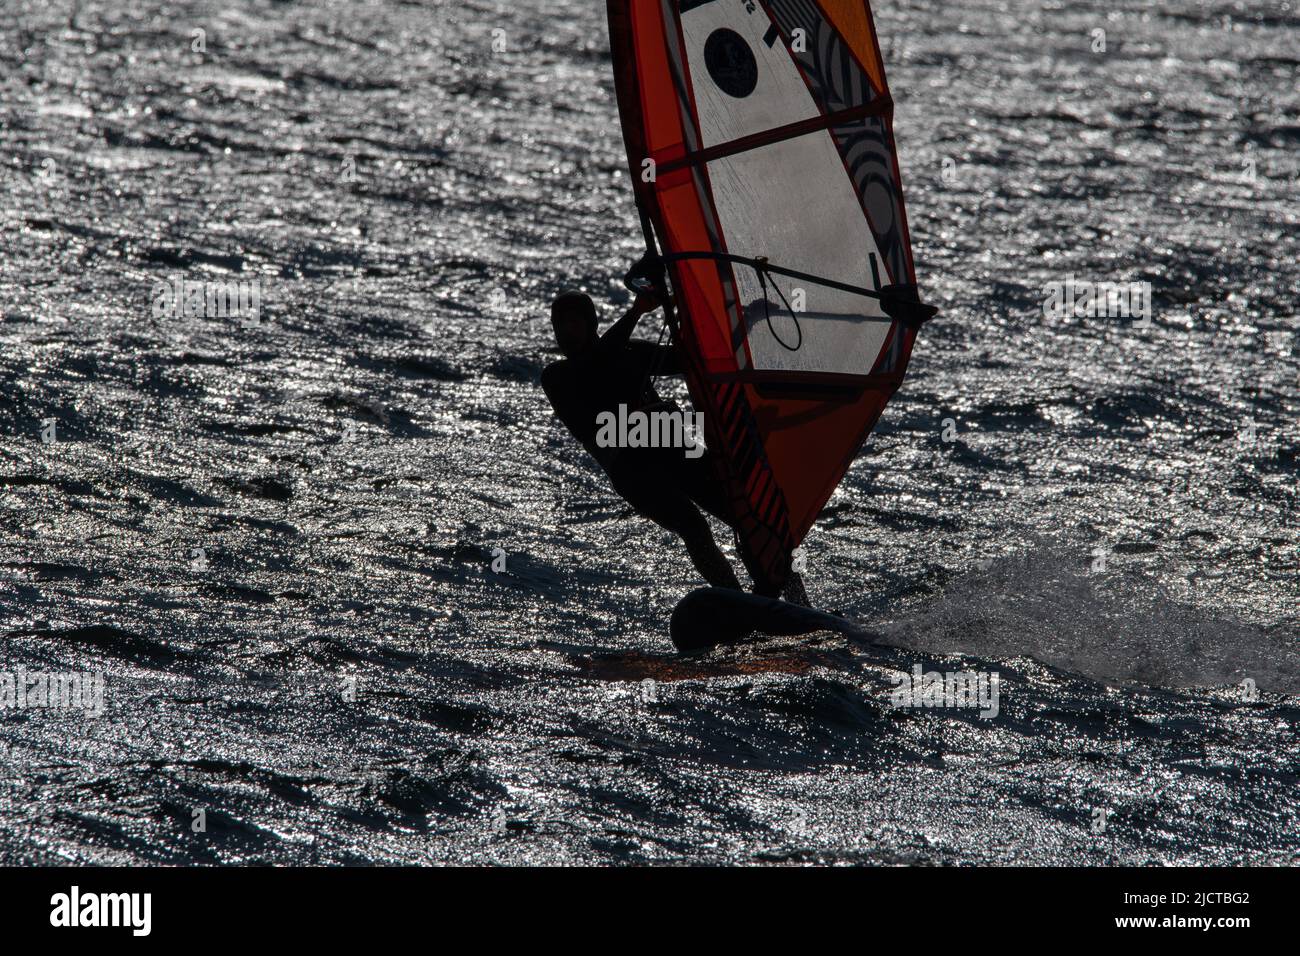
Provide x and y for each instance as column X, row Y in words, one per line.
column 242, row 525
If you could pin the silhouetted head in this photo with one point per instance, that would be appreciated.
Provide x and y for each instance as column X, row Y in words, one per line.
column 573, row 316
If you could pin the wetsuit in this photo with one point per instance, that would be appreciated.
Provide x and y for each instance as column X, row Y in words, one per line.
column 662, row 484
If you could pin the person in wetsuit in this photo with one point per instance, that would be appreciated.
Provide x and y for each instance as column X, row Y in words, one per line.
column 601, row 372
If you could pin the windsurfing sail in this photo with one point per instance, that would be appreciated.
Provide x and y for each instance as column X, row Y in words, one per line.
column 759, row 135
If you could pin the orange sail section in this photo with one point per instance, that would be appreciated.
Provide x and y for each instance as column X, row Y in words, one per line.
column 852, row 21
column 760, row 140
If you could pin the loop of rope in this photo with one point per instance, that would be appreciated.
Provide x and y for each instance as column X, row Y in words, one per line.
column 761, row 269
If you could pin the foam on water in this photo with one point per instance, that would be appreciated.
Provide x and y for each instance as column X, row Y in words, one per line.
column 1120, row 625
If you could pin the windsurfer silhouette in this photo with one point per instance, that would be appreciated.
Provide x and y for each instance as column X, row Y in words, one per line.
column 600, row 373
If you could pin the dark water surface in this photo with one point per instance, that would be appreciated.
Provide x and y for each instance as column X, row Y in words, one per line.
column 1113, row 530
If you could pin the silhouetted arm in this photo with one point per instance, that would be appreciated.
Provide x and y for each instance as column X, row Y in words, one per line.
column 619, row 334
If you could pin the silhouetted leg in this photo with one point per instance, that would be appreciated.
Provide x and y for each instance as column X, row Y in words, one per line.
column 707, row 556
column 654, row 495
column 700, row 481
